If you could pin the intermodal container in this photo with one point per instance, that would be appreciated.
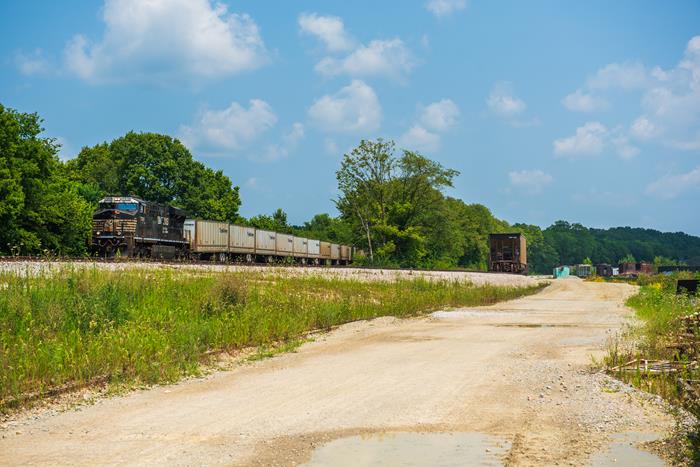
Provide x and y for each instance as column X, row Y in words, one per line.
column 208, row 236
column 325, row 250
column 285, row 244
column 241, row 239
column 265, row 242
column 314, row 248
column 335, row 251
column 301, row 247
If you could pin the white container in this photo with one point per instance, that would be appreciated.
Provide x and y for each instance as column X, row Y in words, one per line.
column 285, row 244
column 241, row 239
column 208, row 236
column 314, row 248
column 265, row 242
column 301, row 247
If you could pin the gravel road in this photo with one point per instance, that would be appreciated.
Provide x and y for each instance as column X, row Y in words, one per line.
column 517, row 370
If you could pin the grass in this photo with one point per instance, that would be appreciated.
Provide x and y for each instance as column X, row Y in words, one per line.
column 143, row 326
column 660, row 312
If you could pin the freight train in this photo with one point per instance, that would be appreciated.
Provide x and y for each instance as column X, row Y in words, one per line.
column 127, row 226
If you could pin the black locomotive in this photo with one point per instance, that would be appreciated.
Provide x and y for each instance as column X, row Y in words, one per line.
column 129, row 226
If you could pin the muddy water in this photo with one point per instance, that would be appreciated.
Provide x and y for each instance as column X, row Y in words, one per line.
column 459, row 449
column 412, row 449
column 623, row 451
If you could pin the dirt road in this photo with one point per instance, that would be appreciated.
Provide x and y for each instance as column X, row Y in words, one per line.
column 516, row 371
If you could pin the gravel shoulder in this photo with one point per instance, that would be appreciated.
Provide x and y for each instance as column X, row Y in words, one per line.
column 361, row 274
column 518, row 370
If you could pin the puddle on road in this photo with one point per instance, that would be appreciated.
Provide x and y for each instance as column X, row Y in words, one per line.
column 412, row 449
column 622, row 451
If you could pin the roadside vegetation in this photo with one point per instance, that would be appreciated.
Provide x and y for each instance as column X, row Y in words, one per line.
column 661, row 354
column 82, row 325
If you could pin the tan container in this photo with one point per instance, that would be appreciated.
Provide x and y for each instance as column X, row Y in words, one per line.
column 314, row 248
column 325, row 250
column 265, row 241
column 241, row 239
column 301, row 247
column 335, row 251
column 344, row 253
column 285, row 244
column 208, row 237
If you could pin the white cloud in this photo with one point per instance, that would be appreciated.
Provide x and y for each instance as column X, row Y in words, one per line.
column 381, row 57
column 580, row 101
column 643, row 129
column 503, row 102
column 440, row 116
column 628, row 75
column 435, row 119
column 592, row 139
column 252, row 182
column 290, row 141
column 672, row 186
column 32, row 64
column 329, row 29
column 419, row 139
column 445, row 7
column 589, row 139
column 530, row 181
column 355, row 108
column 159, row 40
column 670, row 98
column 230, row 129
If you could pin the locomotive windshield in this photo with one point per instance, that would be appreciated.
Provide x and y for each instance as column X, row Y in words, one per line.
column 120, row 206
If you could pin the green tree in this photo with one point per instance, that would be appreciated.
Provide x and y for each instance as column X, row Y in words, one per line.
column 390, row 200
column 157, row 168
column 40, row 208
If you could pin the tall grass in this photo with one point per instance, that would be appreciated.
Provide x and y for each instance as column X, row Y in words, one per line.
column 150, row 326
column 661, row 328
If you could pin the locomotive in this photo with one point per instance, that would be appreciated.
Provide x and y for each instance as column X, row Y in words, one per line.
column 129, row 226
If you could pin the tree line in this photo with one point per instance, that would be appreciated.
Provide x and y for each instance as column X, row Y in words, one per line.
column 391, row 204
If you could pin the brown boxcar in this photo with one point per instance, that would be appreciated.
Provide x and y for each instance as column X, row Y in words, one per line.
column 508, row 253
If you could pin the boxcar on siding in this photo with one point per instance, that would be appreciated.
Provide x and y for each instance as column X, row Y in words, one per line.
column 508, row 253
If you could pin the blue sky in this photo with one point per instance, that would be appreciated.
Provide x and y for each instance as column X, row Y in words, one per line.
column 583, row 111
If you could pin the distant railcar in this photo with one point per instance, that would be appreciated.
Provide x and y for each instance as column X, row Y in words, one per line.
column 508, row 253
column 604, row 270
column 129, row 226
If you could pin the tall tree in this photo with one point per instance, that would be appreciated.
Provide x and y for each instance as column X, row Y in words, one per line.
column 157, row 168
column 40, row 209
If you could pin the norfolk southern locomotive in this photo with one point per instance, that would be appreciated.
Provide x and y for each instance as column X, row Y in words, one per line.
column 129, row 226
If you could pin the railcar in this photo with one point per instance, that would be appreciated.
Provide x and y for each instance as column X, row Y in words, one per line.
column 129, row 226
column 508, row 253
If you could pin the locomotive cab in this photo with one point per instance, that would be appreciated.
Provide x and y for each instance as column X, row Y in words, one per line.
column 128, row 226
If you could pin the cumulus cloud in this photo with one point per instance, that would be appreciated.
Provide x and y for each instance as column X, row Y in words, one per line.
column 580, row 101
column 419, row 139
column 380, row 57
column 530, row 181
column 160, row 40
column 354, row 108
column 670, row 98
column 230, row 129
column 627, row 75
column 592, row 139
column 445, row 7
column 329, row 29
column 441, row 115
column 33, row 63
column 503, row 102
column 672, row 186
column 276, row 151
column 435, row 119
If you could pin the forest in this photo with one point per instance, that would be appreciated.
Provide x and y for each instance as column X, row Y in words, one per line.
column 391, row 204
